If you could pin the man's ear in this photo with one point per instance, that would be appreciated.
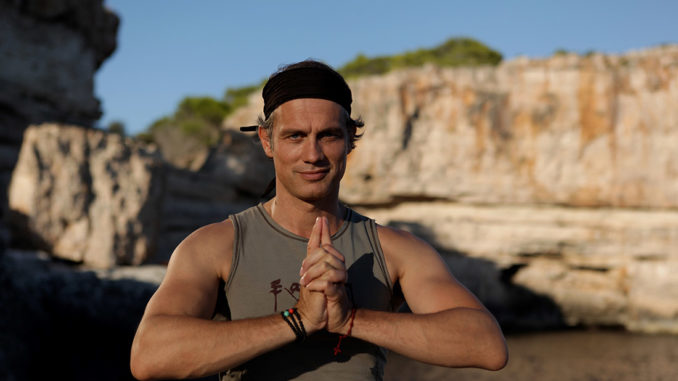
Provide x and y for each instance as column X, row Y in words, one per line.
column 265, row 141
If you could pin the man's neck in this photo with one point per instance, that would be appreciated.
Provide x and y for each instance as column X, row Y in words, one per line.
column 298, row 216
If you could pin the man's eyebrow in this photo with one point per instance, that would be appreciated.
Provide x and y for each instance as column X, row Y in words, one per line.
column 292, row 130
column 333, row 128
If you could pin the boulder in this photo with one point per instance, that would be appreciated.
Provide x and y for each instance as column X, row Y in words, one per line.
column 49, row 53
column 87, row 196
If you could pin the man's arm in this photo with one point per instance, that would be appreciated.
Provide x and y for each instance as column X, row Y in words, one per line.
column 177, row 339
column 448, row 326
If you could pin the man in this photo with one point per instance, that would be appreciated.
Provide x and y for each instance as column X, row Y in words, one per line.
column 336, row 275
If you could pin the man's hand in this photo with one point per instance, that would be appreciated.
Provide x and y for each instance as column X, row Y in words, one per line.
column 324, row 271
column 312, row 305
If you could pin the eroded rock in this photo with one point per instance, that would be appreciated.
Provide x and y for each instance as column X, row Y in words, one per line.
column 87, row 196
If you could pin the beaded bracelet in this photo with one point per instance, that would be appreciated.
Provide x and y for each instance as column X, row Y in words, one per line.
column 337, row 349
column 293, row 319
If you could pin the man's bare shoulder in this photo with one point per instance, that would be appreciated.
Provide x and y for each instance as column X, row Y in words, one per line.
column 426, row 281
column 210, row 236
column 210, row 246
column 197, row 264
column 394, row 240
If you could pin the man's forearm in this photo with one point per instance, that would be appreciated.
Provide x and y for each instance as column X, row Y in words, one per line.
column 186, row 347
column 458, row 337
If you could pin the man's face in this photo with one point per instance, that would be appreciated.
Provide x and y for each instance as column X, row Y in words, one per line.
column 309, row 144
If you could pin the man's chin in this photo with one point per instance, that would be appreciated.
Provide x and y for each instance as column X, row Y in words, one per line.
column 318, row 194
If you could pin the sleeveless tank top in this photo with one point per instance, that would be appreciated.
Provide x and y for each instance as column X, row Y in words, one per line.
column 264, row 280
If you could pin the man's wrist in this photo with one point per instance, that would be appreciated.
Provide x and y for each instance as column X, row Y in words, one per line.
column 293, row 319
column 345, row 328
column 309, row 325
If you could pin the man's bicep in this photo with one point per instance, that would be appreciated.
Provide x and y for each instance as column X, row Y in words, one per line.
column 425, row 280
column 191, row 283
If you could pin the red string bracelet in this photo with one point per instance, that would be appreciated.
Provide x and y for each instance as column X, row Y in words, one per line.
column 337, row 349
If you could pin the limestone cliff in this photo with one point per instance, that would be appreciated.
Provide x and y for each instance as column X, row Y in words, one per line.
column 569, row 130
column 49, row 52
column 87, row 196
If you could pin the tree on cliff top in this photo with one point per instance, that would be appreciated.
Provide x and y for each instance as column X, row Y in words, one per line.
column 453, row 52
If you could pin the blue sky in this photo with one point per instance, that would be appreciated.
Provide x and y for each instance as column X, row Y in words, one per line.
column 169, row 49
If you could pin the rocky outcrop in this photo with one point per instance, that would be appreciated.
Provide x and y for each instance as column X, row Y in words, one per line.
column 599, row 266
column 97, row 198
column 552, row 177
column 87, row 196
column 49, row 52
column 569, row 130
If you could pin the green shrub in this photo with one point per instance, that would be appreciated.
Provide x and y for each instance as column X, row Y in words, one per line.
column 453, row 52
column 205, row 108
column 237, row 97
column 116, row 127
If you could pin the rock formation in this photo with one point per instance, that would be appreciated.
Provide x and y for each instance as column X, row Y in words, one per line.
column 557, row 175
column 87, row 196
column 68, row 324
column 49, row 52
column 578, row 131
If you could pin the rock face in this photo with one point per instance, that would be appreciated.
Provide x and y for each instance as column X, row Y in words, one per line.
column 579, row 131
column 87, row 196
column 599, row 266
column 97, row 198
column 49, row 52
column 557, row 176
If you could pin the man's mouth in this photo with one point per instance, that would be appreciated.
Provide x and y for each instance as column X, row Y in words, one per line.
column 314, row 175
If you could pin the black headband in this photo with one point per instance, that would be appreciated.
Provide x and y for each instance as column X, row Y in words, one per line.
column 304, row 82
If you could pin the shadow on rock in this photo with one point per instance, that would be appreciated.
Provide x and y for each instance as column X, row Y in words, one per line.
column 58, row 322
column 515, row 307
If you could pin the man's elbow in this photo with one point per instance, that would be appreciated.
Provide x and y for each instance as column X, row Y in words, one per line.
column 140, row 364
column 497, row 358
column 139, row 370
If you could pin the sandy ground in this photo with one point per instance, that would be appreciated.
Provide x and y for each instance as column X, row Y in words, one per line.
column 570, row 355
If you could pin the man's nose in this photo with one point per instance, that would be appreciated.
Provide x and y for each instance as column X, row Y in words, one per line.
column 313, row 151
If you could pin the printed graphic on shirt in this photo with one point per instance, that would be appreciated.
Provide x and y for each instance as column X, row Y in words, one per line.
column 277, row 287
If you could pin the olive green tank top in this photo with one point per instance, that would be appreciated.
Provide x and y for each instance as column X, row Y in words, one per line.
column 264, row 279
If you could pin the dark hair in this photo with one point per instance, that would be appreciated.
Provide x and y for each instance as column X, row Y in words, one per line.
column 352, row 125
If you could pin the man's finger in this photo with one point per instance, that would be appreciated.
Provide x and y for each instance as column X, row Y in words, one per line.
column 314, row 239
column 330, row 249
column 326, row 286
column 329, row 263
column 325, row 238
